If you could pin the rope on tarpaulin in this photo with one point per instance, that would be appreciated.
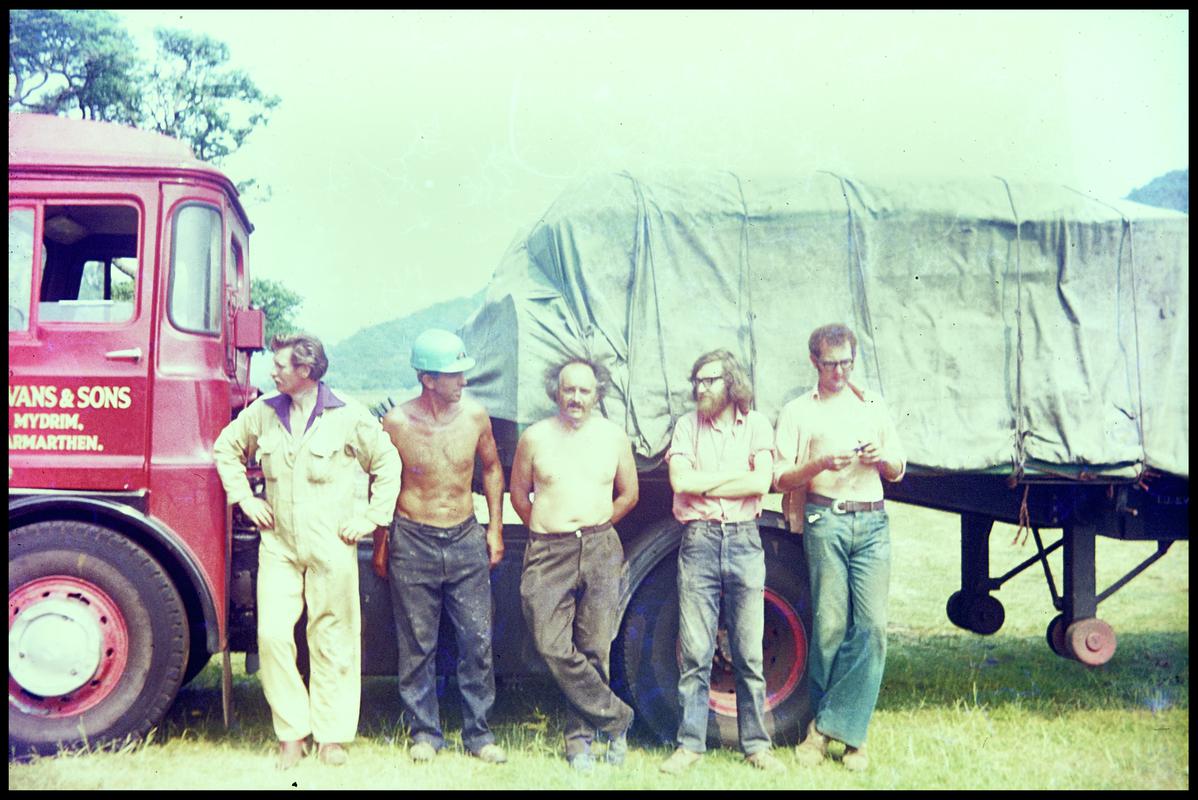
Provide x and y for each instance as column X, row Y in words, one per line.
column 745, row 299
column 866, row 324
column 642, row 249
column 1025, row 519
column 1129, row 233
column 1017, row 471
column 1020, row 422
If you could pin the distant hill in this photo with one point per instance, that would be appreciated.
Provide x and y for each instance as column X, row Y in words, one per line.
column 377, row 357
column 1171, row 190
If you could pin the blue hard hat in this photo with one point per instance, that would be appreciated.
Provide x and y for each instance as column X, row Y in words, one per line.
column 437, row 350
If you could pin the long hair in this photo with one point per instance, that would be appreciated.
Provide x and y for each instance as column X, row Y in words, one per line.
column 306, row 351
column 735, row 378
column 602, row 377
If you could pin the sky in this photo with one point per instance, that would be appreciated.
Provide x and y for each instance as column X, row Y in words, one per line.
column 411, row 148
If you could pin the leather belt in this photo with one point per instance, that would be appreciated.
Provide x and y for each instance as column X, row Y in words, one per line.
column 580, row 532
column 844, row 506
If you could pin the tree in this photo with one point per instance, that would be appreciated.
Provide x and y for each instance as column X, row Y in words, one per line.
column 84, row 63
column 193, row 96
column 280, row 304
column 62, row 62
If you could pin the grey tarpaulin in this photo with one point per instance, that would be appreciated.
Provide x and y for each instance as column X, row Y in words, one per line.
column 1008, row 325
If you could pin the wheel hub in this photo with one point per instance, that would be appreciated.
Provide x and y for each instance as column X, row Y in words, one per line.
column 53, row 649
column 67, row 646
column 784, row 656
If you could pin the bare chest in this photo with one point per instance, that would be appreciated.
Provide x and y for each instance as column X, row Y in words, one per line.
column 579, row 459
column 430, row 448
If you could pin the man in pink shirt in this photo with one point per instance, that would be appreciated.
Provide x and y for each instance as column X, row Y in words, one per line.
column 721, row 464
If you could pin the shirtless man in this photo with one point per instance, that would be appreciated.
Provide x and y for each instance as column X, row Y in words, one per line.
column 562, row 480
column 436, row 553
column 835, row 444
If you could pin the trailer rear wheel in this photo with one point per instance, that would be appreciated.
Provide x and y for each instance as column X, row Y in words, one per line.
column 97, row 634
column 646, row 655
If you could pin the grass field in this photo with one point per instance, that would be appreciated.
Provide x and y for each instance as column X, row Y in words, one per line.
column 957, row 710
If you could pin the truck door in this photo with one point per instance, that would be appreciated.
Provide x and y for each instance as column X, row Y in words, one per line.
column 80, row 300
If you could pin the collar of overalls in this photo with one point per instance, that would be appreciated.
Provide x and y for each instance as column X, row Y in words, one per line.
column 325, row 398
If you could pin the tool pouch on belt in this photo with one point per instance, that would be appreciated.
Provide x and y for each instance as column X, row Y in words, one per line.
column 793, row 503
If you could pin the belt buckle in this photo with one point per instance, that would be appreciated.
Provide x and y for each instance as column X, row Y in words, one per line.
column 838, row 507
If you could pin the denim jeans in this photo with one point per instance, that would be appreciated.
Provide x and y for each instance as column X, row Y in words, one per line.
column 848, row 556
column 430, row 567
column 570, row 593
column 721, row 558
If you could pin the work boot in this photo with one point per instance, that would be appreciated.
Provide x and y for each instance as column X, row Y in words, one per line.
column 332, row 754
column 855, row 758
column 291, row 753
column 617, row 748
column 814, row 748
column 422, row 752
column 680, row 761
column 491, row 754
column 766, row 761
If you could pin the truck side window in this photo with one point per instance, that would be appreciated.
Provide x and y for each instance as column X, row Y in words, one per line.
column 195, row 295
column 20, row 267
column 89, row 264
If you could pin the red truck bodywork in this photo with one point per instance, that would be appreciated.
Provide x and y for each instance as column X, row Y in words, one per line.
column 115, row 401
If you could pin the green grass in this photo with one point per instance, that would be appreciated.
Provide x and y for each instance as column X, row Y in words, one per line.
column 956, row 710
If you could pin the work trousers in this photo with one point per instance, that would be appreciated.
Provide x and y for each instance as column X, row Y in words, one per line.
column 721, row 560
column 326, row 580
column 433, row 568
column 570, row 592
column 848, row 557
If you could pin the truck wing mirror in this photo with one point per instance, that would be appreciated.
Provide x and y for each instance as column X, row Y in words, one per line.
column 249, row 329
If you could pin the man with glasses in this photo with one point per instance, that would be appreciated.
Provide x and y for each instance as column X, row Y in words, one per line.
column 720, row 465
column 835, row 444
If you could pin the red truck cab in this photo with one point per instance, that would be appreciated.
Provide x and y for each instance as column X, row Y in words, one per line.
column 129, row 337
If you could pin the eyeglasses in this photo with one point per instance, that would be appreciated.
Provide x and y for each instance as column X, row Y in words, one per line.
column 846, row 364
column 706, row 383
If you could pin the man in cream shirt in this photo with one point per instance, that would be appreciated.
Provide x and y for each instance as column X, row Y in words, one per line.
column 835, row 444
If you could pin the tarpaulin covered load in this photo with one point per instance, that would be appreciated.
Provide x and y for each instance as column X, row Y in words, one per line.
column 1009, row 325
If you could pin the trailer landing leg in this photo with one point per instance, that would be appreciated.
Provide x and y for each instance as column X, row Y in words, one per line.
column 1076, row 632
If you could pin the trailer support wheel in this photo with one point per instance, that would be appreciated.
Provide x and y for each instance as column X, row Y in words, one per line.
column 955, row 609
column 984, row 614
column 1055, row 634
column 979, row 613
column 1091, row 641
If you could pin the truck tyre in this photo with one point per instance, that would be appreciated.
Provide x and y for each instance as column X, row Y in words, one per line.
column 646, row 657
column 97, row 635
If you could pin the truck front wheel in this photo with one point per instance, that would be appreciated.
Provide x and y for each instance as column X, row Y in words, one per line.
column 646, row 657
column 97, row 637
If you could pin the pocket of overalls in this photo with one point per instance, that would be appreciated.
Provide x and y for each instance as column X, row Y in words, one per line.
column 323, row 458
column 267, row 455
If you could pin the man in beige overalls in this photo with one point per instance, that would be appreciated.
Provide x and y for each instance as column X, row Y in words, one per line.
column 310, row 444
